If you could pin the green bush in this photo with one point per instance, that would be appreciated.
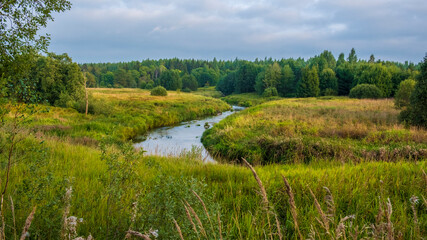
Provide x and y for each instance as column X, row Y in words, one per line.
column 270, row 92
column 404, row 92
column 365, row 91
column 159, row 91
column 186, row 90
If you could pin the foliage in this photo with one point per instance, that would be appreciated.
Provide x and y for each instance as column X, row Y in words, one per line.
column 205, row 76
column 287, row 84
column 309, row 84
column 20, row 23
column 375, row 74
column 416, row 114
column 159, row 91
column 190, row 82
column 365, row 91
column 170, row 80
column 270, row 92
column 226, row 83
column 328, row 80
column 404, row 92
column 245, row 79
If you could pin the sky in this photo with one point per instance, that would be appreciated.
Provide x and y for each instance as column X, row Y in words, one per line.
column 126, row 30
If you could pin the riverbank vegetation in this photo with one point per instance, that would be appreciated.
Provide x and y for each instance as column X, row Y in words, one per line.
column 113, row 189
column 310, row 129
column 123, row 114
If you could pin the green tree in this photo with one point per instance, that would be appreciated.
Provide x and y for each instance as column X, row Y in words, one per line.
column 20, row 22
column 287, row 85
column 416, row 113
column 272, row 76
column 352, row 57
column 309, row 84
column 341, row 59
column 190, row 82
column 107, row 79
column 372, row 59
column 226, row 84
column 246, row 77
column 170, row 79
column 205, row 76
column 376, row 74
column 328, row 80
column 345, row 76
column 122, row 78
column 403, row 94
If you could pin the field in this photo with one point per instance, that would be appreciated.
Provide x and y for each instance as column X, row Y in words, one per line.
column 124, row 114
column 305, row 130
column 114, row 188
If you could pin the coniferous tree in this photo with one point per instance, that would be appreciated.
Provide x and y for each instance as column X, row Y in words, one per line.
column 416, row 113
column 352, row 57
column 287, row 85
column 309, row 84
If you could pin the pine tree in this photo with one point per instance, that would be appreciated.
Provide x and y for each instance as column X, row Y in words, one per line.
column 309, row 84
column 417, row 111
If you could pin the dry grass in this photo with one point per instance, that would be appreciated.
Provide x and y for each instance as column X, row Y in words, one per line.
column 298, row 130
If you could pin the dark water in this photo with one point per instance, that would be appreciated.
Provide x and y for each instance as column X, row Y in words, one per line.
column 181, row 139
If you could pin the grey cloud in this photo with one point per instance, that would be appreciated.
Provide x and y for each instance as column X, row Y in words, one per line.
column 107, row 30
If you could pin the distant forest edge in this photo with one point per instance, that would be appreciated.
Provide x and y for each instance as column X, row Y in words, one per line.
column 318, row 76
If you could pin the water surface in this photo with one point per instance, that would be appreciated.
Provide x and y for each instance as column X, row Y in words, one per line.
column 177, row 140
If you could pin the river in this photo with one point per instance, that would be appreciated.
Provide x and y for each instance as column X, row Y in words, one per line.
column 181, row 139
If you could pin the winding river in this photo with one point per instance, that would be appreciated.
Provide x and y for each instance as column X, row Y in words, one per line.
column 181, row 139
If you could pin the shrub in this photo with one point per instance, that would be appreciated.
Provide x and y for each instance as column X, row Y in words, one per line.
column 365, row 91
column 270, row 92
column 186, row 90
column 404, row 92
column 149, row 86
column 159, row 91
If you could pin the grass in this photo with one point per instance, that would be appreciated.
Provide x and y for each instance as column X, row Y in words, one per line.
column 247, row 99
column 161, row 185
column 123, row 114
column 303, row 130
column 208, row 92
column 117, row 191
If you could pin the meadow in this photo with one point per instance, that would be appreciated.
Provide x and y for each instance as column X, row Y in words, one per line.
column 311, row 129
column 108, row 190
column 124, row 114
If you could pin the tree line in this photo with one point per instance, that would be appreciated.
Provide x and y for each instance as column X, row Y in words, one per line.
column 320, row 75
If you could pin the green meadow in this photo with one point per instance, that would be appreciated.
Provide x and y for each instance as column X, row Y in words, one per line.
column 68, row 164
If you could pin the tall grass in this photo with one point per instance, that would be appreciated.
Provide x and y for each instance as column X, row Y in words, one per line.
column 119, row 192
column 302, row 130
column 124, row 114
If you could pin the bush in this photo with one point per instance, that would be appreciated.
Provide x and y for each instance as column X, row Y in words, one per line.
column 330, row 92
column 365, row 91
column 270, row 92
column 159, row 91
column 186, row 90
column 404, row 92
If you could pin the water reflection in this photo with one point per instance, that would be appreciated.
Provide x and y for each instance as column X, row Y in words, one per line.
column 182, row 139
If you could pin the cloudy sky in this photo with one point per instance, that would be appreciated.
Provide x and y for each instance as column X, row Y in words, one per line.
column 124, row 30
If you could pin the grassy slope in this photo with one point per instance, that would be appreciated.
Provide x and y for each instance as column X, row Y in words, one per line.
column 123, row 114
column 301, row 130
